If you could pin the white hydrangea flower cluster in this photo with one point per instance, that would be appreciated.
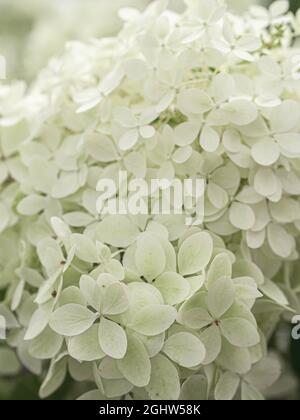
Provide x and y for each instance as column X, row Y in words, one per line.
column 146, row 307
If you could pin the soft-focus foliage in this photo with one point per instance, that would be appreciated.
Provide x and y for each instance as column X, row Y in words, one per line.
column 32, row 31
column 147, row 307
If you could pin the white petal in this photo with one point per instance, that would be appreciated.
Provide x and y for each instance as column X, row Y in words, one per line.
column 166, row 172
column 255, row 239
column 129, row 139
column 32, row 204
column 239, row 332
column 135, row 69
column 279, row 7
column 265, row 182
column 223, row 86
column 241, row 216
column 186, row 133
column 232, row 140
column 72, row 319
column 269, row 66
column 165, row 101
column 185, row 349
column 227, row 386
column 285, row 116
column 243, row 55
column 281, row 242
column 148, row 116
column 265, row 152
column 209, row 139
column 241, row 111
column 125, row 117
column 194, row 101
column 182, row 154
column 289, row 144
column 147, row 131
column 248, row 43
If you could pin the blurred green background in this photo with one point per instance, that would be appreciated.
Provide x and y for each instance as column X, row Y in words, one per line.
column 31, row 31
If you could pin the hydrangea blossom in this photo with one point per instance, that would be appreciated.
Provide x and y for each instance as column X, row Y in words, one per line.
column 146, row 307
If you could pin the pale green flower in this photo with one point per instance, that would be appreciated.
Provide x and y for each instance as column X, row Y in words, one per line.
column 146, row 306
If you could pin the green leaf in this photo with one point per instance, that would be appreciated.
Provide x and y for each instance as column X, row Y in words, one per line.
column 239, row 332
column 153, row 319
column 135, row 366
column 72, row 319
column 164, row 381
column 85, row 347
column 150, row 258
column 112, row 339
column 195, row 253
column 185, row 349
column 173, row 287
